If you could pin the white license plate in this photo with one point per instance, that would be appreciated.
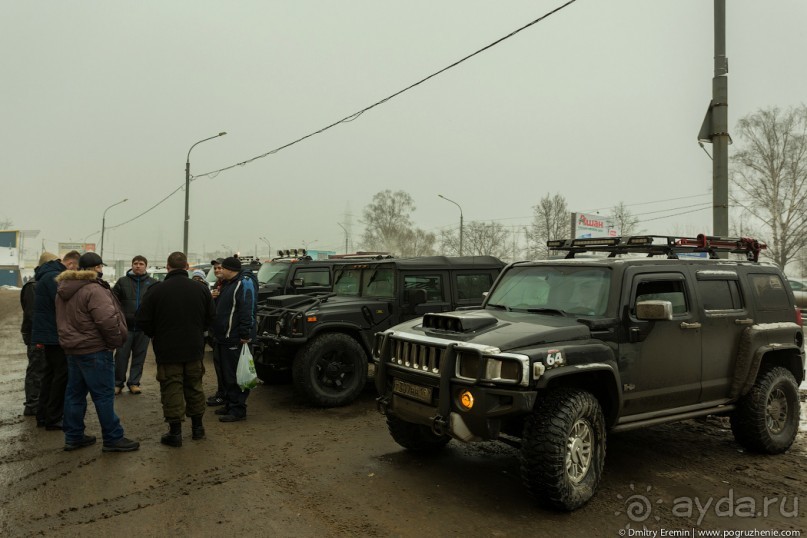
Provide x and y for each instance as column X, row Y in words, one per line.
column 416, row 392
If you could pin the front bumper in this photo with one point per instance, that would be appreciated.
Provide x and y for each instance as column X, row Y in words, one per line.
column 444, row 414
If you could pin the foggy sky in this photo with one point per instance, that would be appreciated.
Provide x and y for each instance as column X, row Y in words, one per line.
column 601, row 103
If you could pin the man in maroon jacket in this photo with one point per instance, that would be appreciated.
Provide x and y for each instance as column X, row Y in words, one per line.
column 91, row 325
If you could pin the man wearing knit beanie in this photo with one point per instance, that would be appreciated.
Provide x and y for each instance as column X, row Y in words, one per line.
column 233, row 328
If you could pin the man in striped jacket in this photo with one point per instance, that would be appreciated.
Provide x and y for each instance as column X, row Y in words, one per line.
column 233, row 328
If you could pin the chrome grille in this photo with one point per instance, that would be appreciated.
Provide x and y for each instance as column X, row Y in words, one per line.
column 420, row 357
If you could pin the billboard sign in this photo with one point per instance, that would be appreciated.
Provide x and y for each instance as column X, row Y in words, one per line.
column 592, row 225
column 64, row 248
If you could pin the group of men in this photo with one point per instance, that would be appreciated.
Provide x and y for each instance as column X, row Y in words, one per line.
column 73, row 322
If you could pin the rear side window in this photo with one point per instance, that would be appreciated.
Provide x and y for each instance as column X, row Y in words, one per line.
column 433, row 284
column 769, row 291
column 720, row 295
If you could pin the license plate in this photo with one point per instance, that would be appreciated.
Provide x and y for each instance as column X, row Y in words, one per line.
column 424, row 394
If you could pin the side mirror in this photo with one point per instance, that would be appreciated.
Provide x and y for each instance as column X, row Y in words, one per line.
column 654, row 310
column 414, row 297
column 298, row 282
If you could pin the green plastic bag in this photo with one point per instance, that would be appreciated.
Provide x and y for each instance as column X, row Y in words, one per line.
column 245, row 373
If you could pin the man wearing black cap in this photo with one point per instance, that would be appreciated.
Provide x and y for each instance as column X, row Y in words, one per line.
column 91, row 325
column 233, row 328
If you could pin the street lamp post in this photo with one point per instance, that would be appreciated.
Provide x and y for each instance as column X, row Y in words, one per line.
column 188, row 188
column 268, row 245
column 345, row 236
column 103, row 224
column 460, row 208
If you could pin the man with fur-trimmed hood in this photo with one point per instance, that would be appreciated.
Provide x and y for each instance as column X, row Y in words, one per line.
column 91, row 325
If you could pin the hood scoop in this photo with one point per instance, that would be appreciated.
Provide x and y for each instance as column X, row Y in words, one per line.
column 459, row 323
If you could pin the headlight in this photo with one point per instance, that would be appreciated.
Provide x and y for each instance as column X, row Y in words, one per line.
column 378, row 341
column 296, row 324
column 492, row 368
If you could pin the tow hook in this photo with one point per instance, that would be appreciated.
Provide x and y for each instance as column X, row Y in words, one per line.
column 382, row 404
column 439, row 426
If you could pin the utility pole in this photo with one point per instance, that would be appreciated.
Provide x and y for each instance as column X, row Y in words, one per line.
column 715, row 128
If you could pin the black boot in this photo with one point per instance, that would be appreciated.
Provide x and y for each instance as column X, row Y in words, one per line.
column 174, row 435
column 197, row 430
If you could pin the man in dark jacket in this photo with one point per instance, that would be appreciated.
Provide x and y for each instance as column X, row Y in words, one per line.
column 234, row 327
column 175, row 313
column 130, row 290
column 91, row 324
column 221, row 392
column 46, row 338
column 36, row 355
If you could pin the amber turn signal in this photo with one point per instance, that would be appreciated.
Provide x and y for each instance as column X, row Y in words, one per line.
column 466, row 400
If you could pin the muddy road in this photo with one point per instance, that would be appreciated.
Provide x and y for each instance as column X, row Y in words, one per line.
column 291, row 470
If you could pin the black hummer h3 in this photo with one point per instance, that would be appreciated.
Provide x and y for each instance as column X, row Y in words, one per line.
column 564, row 351
column 326, row 340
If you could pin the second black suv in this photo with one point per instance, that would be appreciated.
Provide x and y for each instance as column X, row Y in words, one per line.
column 565, row 351
column 326, row 340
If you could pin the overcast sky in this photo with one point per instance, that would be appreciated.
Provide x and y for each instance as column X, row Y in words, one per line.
column 601, row 102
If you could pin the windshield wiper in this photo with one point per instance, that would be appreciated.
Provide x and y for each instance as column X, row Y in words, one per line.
column 499, row 306
column 553, row 311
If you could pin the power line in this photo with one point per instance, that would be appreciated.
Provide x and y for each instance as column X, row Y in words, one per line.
column 355, row 115
column 675, row 214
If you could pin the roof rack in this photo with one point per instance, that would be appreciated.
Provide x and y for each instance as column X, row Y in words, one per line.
column 655, row 245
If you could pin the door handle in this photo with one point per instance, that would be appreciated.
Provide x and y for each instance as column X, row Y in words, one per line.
column 693, row 325
column 744, row 321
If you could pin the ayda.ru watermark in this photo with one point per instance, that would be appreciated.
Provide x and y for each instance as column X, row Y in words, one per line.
column 641, row 507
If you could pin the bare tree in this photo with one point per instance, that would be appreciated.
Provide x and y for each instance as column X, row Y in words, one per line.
column 625, row 222
column 551, row 220
column 418, row 242
column 389, row 228
column 770, row 176
column 6, row 223
column 479, row 239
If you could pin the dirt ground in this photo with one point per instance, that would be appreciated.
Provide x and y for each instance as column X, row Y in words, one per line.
column 291, row 470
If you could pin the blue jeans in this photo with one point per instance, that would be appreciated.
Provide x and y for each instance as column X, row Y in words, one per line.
column 136, row 345
column 93, row 373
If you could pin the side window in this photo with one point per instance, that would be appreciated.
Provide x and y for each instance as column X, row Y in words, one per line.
column 720, row 294
column 315, row 277
column 472, row 287
column 663, row 290
column 769, row 291
column 433, row 284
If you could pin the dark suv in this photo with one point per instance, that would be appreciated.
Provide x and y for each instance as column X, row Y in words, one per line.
column 325, row 340
column 565, row 351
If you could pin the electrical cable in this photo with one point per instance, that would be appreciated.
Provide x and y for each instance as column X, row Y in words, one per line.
column 355, row 115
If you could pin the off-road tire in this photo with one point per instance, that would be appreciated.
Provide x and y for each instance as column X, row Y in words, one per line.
column 563, row 448
column 766, row 419
column 415, row 437
column 330, row 370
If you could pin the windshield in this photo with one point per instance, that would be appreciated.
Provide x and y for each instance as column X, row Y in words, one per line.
column 368, row 282
column 553, row 290
column 273, row 273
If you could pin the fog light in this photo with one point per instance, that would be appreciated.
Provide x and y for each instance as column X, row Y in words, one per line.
column 466, row 400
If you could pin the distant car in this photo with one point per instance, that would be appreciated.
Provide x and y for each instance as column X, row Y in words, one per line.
column 799, row 288
column 159, row 273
